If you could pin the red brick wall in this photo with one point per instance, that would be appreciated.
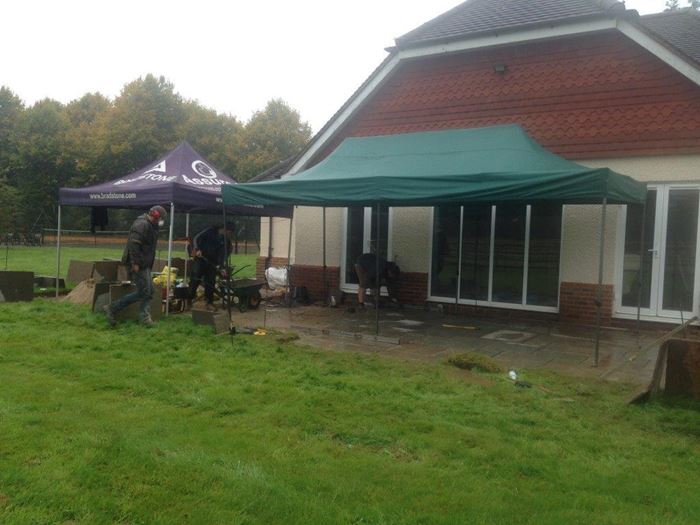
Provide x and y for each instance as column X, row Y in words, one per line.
column 591, row 96
column 413, row 288
column 312, row 278
column 261, row 264
column 577, row 303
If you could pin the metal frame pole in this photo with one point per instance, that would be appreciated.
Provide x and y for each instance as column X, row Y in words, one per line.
column 58, row 252
column 641, row 267
column 269, row 242
column 228, row 274
column 599, row 294
column 170, row 258
column 378, row 283
column 289, row 260
column 325, row 280
column 187, row 255
column 458, row 290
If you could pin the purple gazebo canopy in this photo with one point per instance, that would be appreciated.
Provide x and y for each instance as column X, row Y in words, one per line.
column 181, row 177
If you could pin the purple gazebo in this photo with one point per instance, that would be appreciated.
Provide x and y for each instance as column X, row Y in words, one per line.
column 181, row 179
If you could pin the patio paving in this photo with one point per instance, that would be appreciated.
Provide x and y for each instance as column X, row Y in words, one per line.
column 433, row 336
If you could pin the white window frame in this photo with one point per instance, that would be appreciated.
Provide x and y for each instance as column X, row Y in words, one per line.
column 489, row 302
column 366, row 238
column 655, row 312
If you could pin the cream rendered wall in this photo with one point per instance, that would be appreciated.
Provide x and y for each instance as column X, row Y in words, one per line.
column 309, row 238
column 280, row 236
column 581, row 232
column 411, row 226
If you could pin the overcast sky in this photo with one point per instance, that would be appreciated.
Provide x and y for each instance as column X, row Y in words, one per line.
column 231, row 55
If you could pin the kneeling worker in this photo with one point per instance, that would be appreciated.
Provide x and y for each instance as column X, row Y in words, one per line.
column 210, row 248
column 366, row 270
column 139, row 256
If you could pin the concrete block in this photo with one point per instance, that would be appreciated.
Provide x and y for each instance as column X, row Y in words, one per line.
column 217, row 320
column 106, row 271
column 45, row 281
column 17, row 286
column 116, row 291
column 79, row 271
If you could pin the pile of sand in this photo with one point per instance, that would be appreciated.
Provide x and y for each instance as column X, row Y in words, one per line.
column 82, row 294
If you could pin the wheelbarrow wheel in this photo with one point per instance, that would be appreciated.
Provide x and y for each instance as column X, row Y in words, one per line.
column 254, row 300
column 243, row 304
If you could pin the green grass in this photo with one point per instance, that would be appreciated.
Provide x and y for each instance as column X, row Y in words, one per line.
column 174, row 425
column 42, row 260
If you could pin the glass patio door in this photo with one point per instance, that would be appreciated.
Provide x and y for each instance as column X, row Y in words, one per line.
column 668, row 286
column 360, row 237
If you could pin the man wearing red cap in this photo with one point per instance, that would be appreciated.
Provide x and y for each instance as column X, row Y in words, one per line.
column 139, row 255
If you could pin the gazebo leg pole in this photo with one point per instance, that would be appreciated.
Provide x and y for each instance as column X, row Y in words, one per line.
column 228, row 274
column 289, row 261
column 378, row 282
column 325, row 281
column 641, row 267
column 187, row 235
column 170, row 258
column 599, row 294
column 58, row 252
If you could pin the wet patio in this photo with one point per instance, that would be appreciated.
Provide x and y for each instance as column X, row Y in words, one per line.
column 432, row 335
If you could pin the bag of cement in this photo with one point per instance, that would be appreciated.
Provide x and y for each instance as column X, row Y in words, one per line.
column 276, row 277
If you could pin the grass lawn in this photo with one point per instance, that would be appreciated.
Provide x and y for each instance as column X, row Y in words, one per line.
column 172, row 425
column 42, row 260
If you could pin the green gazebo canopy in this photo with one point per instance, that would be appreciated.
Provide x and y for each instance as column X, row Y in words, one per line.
column 500, row 164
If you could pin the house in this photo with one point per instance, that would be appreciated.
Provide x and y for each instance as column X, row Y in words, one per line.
column 590, row 81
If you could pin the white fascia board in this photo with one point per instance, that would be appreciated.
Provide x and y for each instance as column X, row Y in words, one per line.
column 346, row 114
column 529, row 35
column 681, row 65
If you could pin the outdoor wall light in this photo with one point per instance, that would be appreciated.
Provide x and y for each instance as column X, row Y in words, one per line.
column 499, row 68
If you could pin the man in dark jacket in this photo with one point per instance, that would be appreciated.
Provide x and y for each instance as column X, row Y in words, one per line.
column 210, row 247
column 139, row 255
column 366, row 270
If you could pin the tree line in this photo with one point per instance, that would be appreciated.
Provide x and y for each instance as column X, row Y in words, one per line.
column 94, row 139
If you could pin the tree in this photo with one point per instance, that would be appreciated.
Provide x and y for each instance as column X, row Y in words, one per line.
column 83, row 142
column 144, row 122
column 672, row 5
column 43, row 164
column 694, row 4
column 11, row 108
column 271, row 136
column 215, row 136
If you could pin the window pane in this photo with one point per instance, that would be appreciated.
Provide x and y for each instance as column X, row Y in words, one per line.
column 543, row 260
column 443, row 280
column 355, row 238
column 509, row 254
column 681, row 238
column 634, row 253
column 476, row 250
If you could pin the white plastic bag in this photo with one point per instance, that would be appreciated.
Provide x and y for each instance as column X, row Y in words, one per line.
column 276, row 277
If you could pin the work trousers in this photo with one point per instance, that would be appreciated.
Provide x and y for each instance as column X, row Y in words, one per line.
column 203, row 272
column 143, row 293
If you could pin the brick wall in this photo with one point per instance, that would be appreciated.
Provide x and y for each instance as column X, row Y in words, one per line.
column 577, row 303
column 261, row 264
column 312, row 278
column 413, row 288
column 590, row 96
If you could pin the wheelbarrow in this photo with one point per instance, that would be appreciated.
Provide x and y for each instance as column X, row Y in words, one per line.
column 244, row 293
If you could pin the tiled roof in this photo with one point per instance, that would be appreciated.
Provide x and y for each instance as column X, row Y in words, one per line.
column 276, row 171
column 486, row 16
column 678, row 29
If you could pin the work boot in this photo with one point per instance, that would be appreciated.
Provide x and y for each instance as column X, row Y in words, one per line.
column 107, row 309
column 147, row 321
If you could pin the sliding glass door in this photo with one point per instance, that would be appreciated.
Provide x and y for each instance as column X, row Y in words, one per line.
column 497, row 255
